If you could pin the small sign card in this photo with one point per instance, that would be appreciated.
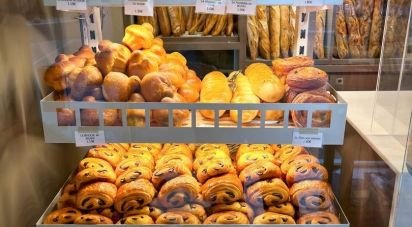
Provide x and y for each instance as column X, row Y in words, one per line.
column 89, row 137
column 138, row 7
column 71, row 5
column 307, row 139
column 242, row 7
column 211, row 6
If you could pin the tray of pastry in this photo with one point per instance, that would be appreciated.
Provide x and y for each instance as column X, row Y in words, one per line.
column 191, row 184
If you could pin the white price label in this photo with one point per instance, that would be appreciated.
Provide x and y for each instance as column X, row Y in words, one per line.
column 243, row 7
column 71, row 5
column 138, row 7
column 211, row 6
column 307, row 139
column 89, row 138
column 308, row 2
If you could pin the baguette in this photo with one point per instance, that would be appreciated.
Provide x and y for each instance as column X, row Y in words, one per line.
column 264, row 41
column 210, row 23
column 401, row 26
column 190, row 17
column 274, row 28
column 164, row 21
column 198, row 23
column 229, row 26
column 292, row 32
column 352, row 22
column 342, row 49
column 284, row 31
column 220, row 25
column 183, row 19
column 391, row 33
column 175, row 20
column 365, row 25
column 375, row 37
column 318, row 48
column 252, row 36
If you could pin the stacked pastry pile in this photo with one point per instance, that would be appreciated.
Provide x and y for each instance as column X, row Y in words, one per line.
column 177, row 21
column 137, row 70
column 271, row 33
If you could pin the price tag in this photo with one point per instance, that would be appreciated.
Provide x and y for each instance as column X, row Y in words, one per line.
column 211, row 6
column 308, row 2
column 243, row 7
column 138, row 7
column 71, row 5
column 89, row 138
column 307, row 139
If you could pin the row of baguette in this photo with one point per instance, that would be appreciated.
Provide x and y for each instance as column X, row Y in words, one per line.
column 190, row 184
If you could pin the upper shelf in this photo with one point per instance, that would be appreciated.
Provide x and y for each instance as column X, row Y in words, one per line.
column 119, row 3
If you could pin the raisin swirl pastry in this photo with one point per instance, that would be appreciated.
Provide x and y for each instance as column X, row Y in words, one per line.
column 222, row 189
column 109, row 155
column 118, row 147
column 236, row 206
column 276, row 147
column 177, row 148
column 177, row 217
column 137, row 220
column 96, row 195
column 245, row 148
column 65, row 215
column 206, row 148
column 94, row 175
column 300, row 159
column 152, row 148
column 215, row 168
column 311, row 195
column 208, row 157
column 282, row 208
column 306, row 171
column 193, row 208
column 133, row 195
column 178, row 159
column 68, row 196
column 153, row 212
column 273, row 218
column 319, row 218
column 179, row 191
column 169, row 171
column 251, row 157
column 92, row 219
column 227, row 217
column 107, row 212
column 260, row 170
column 268, row 192
column 288, row 152
column 94, row 163
column 132, row 163
column 140, row 172
column 134, row 153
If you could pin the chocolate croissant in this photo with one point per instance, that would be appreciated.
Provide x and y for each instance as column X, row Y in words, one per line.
column 273, row 218
column 94, row 163
column 227, row 217
column 107, row 212
column 210, row 157
column 215, row 168
column 153, row 212
column 109, row 155
column 306, row 171
column 177, row 217
column 142, row 154
column 300, row 159
column 319, row 218
column 136, row 220
column 93, row 175
column 68, row 196
column 151, row 148
column 236, row 206
column 96, row 196
column 268, row 192
column 65, row 215
column 92, row 219
column 178, row 149
column 311, row 195
column 260, row 170
column 222, row 189
column 282, row 208
column 245, row 148
column 251, row 157
column 206, row 148
column 167, row 172
column 133, row 195
column 179, row 191
column 288, row 152
column 178, row 159
column 139, row 172
column 132, row 163
column 195, row 209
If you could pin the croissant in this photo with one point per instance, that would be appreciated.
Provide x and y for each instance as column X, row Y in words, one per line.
column 215, row 168
column 282, row 208
column 311, row 195
column 133, row 195
column 244, row 148
column 265, row 84
column 236, row 206
column 319, row 218
column 92, row 219
column 136, row 220
column 179, row 191
column 68, row 196
column 251, row 157
column 94, row 163
column 135, row 153
column 222, row 189
column 287, row 153
column 273, row 218
column 306, row 171
column 138, row 37
column 298, row 160
column 243, row 94
column 107, row 154
column 177, row 217
column 153, row 212
column 195, row 209
column 132, row 174
column 179, row 159
column 204, row 149
column 94, row 174
column 65, row 215
column 215, row 89
column 227, row 217
column 96, row 195
column 268, row 192
column 152, row 148
column 260, row 170
column 118, row 147
column 178, row 149
column 212, row 155
column 112, row 57
column 167, row 172
column 130, row 163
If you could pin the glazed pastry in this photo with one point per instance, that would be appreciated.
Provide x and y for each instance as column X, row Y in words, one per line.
column 227, row 217
column 195, row 209
column 109, row 155
column 268, row 192
column 308, row 78
column 282, row 208
column 68, row 196
column 88, row 79
column 251, row 157
column 222, row 189
column 137, row 220
column 179, row 159
column 138, row 36
column 236, row 206
column 155, row 86
column 177, row 217
column 288, row 152
column 282, row 67
column 94, row 174
column 263, row 28
column 65, row 215
column 320, row 118
column 273, row 218
column 244, row 148
column 92, row 219
column 139, row 172
column 179, row 191
column 96, row 195
column 298, row 160
column 319, row 218
column 142, row 62
column 153, row 212
column 133, row 195
column 206, row 148
column 215, row 168
column 311, row 195
column 259, row 170
column 306, row 171
column 130, row 163
column 56, row 75
column 167, row 172
column 112, row 57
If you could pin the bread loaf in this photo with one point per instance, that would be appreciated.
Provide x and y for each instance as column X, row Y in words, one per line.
column 274, row 28
column 376, row 31
column 292, row 32
column 252, row 36
column 284, row 31
column 229, row 26
column 365, row 19
column 190, row 17
column 263, row 29
column 211, row 21
column 352, row 23
column 341, row 34
column 318, row 48
column 265, row 84
column 220, row 25
column 164, row 21
column 175, row 20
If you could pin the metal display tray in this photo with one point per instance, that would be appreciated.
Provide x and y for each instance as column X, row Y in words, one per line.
column 196, row 128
